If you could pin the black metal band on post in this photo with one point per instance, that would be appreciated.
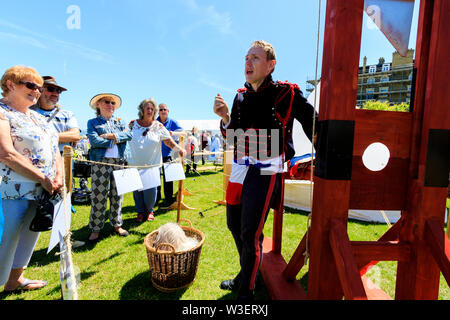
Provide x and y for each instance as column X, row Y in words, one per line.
column 438, row 158
column 335, row 149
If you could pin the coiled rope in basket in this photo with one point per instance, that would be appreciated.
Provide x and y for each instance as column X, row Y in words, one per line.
column 171, row 270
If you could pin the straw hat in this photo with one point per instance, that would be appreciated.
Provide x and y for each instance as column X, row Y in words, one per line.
column 115, row 97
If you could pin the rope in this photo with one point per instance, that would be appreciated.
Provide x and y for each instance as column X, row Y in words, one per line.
column 386, row 218
column 200, row 175
column 308, row 223
column 80, row 158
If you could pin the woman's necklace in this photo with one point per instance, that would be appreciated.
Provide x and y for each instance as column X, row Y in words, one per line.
column 143, row 123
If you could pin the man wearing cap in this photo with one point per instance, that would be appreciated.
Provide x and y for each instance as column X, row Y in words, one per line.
column 64, row 121
column 175, row 130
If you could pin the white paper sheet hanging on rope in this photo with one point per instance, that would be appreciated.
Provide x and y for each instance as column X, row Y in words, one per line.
column 174, row 172
column 150, row 178
column 59, row 228
column 127, row 180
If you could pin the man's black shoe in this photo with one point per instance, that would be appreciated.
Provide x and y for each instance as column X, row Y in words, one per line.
column 245, row 295
column 228, row 285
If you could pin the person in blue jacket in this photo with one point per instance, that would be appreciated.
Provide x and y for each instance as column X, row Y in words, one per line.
column 108, row 136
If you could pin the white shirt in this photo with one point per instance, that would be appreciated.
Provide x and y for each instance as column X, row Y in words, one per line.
column 145, row 149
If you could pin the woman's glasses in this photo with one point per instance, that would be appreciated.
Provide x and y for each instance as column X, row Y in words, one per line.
column 109, row 102
column 32, row 86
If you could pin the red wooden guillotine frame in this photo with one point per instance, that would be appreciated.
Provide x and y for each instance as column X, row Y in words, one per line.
column 418, row 142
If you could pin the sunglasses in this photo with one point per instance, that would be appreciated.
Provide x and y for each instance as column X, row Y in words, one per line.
column 162, row 109
column 54, row 89
column 32, row 86
column 145, row 132
column 109, row 102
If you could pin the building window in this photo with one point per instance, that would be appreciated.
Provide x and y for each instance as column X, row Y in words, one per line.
column 409, row 87
column 386, row 67
column 369, row 93
column 385, row 79
column 372, row 69
column 371, row 80
column 384, row 89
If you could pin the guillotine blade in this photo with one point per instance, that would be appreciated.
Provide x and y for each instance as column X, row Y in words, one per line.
column 394, row 19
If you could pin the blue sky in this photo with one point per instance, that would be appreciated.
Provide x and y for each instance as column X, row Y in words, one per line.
column 181, row 52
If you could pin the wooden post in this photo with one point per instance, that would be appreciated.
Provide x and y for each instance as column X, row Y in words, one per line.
column 227, row 164
column 67, row 158
column 343, row 28
column 179, row 204
column 419, row 277
column 67, row 167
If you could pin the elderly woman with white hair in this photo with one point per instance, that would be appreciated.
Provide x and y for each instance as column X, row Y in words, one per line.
column 145, row 150
column 108, row 137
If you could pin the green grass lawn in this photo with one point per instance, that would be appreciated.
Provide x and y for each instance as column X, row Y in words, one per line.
column 116, row 268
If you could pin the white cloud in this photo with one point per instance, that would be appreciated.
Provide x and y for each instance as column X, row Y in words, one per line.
column 35, row 39
column 208, row 16
column 22, row 39
column 207, row 81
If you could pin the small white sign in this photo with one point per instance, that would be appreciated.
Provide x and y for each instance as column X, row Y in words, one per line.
column 59, row 228
column 127, row 180
column 150, row 178
column 174, row 172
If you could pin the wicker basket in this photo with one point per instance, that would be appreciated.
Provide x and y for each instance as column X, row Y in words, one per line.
column 171, row 270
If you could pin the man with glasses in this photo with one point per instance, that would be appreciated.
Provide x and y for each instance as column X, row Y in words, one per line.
column 64, row 121
column 175, row 131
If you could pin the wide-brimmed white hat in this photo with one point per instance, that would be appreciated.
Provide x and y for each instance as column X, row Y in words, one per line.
column 113, row 96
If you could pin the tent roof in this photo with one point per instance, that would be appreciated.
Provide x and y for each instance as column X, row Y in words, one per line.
column 210, row 125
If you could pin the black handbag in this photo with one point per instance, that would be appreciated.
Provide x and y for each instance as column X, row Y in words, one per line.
column 43, row 220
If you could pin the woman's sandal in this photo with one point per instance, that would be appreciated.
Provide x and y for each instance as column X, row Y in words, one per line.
column 140, row 217
column 93, row 240
column 25, row 283
column 151, row 216
column 122, row 233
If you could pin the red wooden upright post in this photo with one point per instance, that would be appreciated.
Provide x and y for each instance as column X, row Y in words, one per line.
column 419, row 278
column 339, row 81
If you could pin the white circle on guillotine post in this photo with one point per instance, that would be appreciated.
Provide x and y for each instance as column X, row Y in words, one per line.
column 376, row 156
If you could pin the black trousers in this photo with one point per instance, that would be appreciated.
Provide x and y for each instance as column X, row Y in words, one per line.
column 168, row 186
column 246, row 222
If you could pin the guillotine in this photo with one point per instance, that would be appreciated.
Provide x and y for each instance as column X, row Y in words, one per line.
column 414, row 181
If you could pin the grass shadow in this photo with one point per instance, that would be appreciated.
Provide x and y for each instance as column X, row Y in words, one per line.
column 41, row 258
column 296, row 211
column 141, row 288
